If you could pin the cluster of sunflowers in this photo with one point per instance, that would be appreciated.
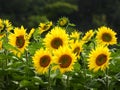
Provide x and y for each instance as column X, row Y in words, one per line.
column 60, row 45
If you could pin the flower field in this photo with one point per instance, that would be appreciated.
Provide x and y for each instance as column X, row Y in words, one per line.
column 58, row 56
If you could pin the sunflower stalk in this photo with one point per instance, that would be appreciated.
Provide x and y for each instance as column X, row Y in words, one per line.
column 67, row 83
column 49, row 80
column 27, row 63
column 6, row 79
column 84, row 68
column 107, row 79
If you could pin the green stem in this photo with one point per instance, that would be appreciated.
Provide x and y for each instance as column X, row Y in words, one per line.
column 67, row 83
column 49, row 80
column 107, row 79
column 84, row 69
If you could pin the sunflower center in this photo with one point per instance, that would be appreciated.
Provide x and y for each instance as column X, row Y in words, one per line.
column 56, row 43
column 76, row 50
column 44, row 61
column 106, row 37
column 46, row 27
column 101, row 59
column 20, row 41
column 65, row 61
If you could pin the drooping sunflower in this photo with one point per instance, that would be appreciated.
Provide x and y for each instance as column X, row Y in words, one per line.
column 63, row 21
column 44, row 27
column 65, row 59
column 42, row 60
column 106, row 36
column 88, row 35
column 56, row 38
column 99, row 58
column 19, row 40
column 76, row 47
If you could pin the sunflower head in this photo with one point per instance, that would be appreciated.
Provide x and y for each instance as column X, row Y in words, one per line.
column 65, row 59
column 75, row 35
column 44, row 27
column 88, row 35
column 2, row 31
column 99, row 58
column 54, row 40
column 8, row 25
column 63, row 21
column 106, row 36
column 1, row 25
column 19, row 40
column 76, row 47
column 42, row 60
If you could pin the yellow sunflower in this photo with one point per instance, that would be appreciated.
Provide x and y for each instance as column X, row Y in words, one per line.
column 76, row 47
column 8, row 25
column 42, row 60
column 65, row 59
column 99, row 58
column 44, row 27
column 19, row 40
column 75, row 35
column 56, row 38
column 88, row 35
column 1, row 24
column 1, row 28
column 106, row 36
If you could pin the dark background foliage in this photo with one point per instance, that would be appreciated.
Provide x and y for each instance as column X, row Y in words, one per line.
column 86, row 14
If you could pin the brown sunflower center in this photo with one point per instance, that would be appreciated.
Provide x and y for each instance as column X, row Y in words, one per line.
column 1, row 27
column 46, row 27
column 44, row 61
column 56, row 42
column 76, row 50
column 101, row 59
column 20, row 41
column 106, row 37
column 65, row 61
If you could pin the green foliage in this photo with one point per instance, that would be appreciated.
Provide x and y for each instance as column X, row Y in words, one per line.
column 18, row 73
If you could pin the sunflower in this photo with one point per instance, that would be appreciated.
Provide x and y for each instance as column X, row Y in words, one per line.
column 8, row 25
column 44, row 27
column 63, row 21
column 19, row 40
column 75, row 35
column 1, row 24
column 76, row 47
column 42, row 60
column 99, row 58
column 1, row 28
column 56, row 38
column 106, row 36
column 88, row 35
column 65, row 59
